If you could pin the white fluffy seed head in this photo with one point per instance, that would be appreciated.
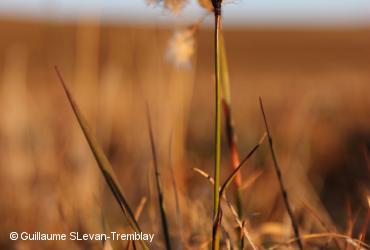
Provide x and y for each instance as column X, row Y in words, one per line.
column 173, row 5
column 181, row 47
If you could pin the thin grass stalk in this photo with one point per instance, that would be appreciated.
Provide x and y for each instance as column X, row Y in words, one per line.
column 162, row 210
column 216, row 198
column 280, row 180
column 137, row 214
column 102, row 161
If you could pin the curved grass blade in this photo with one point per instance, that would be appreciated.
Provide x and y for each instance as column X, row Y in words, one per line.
column 102, row 162
column 235, row 172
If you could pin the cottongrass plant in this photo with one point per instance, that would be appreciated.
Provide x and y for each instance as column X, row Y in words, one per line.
column 181, row 49
column 174, row 6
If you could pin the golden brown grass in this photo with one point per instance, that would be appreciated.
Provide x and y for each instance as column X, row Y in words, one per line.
column 315, row 85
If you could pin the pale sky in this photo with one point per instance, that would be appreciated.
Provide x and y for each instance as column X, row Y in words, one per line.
column 236, row 12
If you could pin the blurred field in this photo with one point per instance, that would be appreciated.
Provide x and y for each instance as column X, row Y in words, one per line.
column 315, row 85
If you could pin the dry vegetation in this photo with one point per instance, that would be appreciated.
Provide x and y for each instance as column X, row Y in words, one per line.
column 315, row 85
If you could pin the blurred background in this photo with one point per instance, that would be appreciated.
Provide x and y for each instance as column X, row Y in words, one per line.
column 309, row 60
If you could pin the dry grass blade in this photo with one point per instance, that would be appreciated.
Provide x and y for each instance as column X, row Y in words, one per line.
column 251, row 179
column 365, row 225
column 316, row 216
column 205, row 175
column 228, row 241
column 138, row 212
column 240, row 224
column 158, row 184
column 140, row 208
column 353, row 241
column 322, row 222
column 349, row 221
column 102, row 161
column 235, row 172
column 230, row 179
column 280, row 179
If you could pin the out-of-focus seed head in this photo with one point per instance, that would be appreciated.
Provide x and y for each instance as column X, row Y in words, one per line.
column 207, row 4
column 173, row 5
column 181, row 47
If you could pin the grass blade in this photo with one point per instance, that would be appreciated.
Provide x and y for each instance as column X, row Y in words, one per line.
column 237, row 169
column 280, row 179
column 231, row 178
column 243, row 230
column 138, row 212
column 102, row 161
column 365, row 225
column 158, row 184
column 321, row 221
column 226, row 104
column 230, row 131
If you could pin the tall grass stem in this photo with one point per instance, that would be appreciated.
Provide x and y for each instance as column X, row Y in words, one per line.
column 281, row 181
column 216, row 213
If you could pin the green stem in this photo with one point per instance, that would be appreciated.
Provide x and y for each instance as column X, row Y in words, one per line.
column 216, row 203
